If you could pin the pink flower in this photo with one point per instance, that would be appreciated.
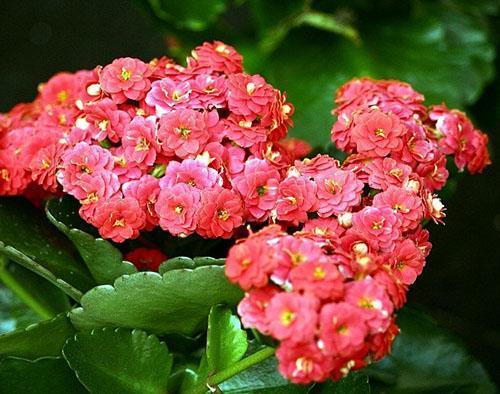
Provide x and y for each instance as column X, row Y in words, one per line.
column 167, row 94
column 146, row 259
column 119, row 219
column 407, row 262
column 194, row 173
column 377, row 134
column 320, row 164
column 249, row 95
column 125, row 78
column 379, row 224
column 297, row 196
column 258, row 186
column 210, row 91
column 177, row 208
column 303, row 363
column 406, row 204
column 320, row 278
column 13, row 178
column 104, row 120
column 125, row 169
column 324, row 230
column 140, row 141
column 218, row 57
column 342, row 329
column 252, row 308
column 292, row 316
column 244, row 132
column 250, row 263
column 385, row 172
column 220, row 213
column 185, row 132
column 338, row 192
column 95, row 188
column 44, row 165
column 145, row 190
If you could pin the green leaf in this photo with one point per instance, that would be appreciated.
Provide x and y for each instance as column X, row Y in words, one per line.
column 37, row 293
column 444, row 53
column 188, row 262
column 45, row 338
column 262, row 378
column 119, row 361
column 226, row 340
column 177, row 302
column 426, row 358
column 188, row 14
column 14, row 313
column 104, row 261
column 353, row 383
column 44, row 375
column 27, row 238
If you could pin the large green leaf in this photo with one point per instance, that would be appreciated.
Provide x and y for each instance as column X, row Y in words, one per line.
column 427, row 359
column 187, row 262
column 104, row 261
column 27, row 238
column 119, row 361
column 37, row 293
column 14, row 313
column 45, row 338
column 44, row 375
column 443, row 52
column 189, row 14
column 177, row 302
column 226, row 340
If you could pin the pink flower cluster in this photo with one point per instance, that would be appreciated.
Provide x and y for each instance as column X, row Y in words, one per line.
column 326, row 280
column 152, row 144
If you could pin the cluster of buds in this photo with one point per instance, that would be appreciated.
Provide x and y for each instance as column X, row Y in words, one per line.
column 152, row 144
column 327, row 282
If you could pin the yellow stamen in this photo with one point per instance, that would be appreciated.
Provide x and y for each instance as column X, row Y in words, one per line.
column 126, row 74
column 287, row 317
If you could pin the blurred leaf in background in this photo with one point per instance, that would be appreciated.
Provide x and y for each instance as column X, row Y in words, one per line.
column 309, row 48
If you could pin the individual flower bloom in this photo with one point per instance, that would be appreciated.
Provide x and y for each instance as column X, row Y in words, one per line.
column 194, row 173
column 125, row 169
column 324, row 230
column 119, row 219
column 377, row 134
column 258, row 187
column 481, row 157
column 249, row 95
column 167, row 94
column 279, row 117
column 433, row 173
column 296, row 197
column 220, row 213
column 94, row 188
column 59, row 118
column 104, row 120
column 146, row 259
column 244, row 132
column 303, row 363
column 405, row 203
column 60, row 90
column 371, row 297
column 44, row 165
column 185, row 132
column 210, row 91
column 296, row 147
column 342, row 329
column 356, row 243
column 421, row 238
column 252, row 308
column 320, row 278
column 13, row 178
column 219, row 57
column 338, row 191
column 433, row 207
column 235, row 162
column 385, row 172
column 292, row 316
column 125, row 79
column 380, row 224
column 417, row 149
column 82, row 159
column 139, row 141
column 145, row 190
column 396, row 289
column 292, row 252
column 272, row 152
column 407, row 261
column 341, row 132
column 177, row 207
column 250, row 263
column 320, row 164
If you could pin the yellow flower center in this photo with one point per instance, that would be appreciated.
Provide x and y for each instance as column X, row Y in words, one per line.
column 287, row 317
column 125, row 74
column 62, row 96
column 222, row 214
column 119, row 223
column 379, row 132
column 319, row 273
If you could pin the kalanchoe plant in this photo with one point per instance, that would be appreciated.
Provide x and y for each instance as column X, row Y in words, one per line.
column 165, row 160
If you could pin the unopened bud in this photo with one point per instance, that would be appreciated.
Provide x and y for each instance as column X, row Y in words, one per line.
column 345, row 219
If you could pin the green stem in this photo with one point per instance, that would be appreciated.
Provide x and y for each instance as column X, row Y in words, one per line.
column 10, row 281
column 328, row 22
column 33, row 266
column 234, row 369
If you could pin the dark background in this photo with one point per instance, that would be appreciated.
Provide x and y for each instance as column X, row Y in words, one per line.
column 460, row 285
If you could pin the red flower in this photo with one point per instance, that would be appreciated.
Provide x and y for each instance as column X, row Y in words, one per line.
column 249, row 95
column 146, row 259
